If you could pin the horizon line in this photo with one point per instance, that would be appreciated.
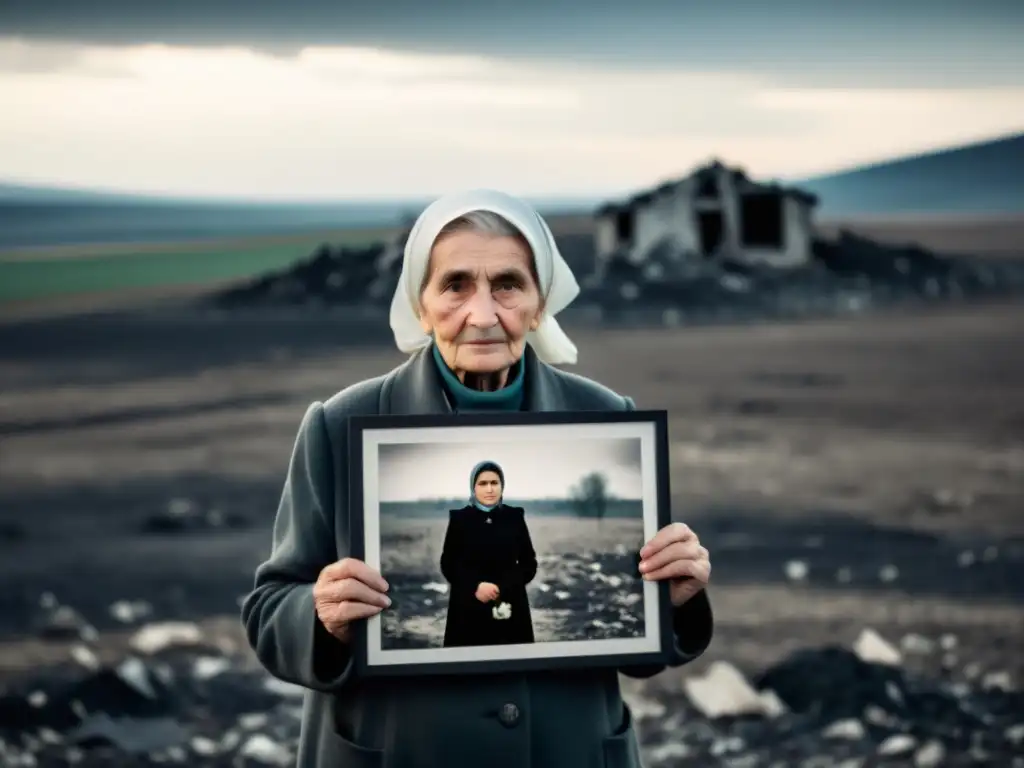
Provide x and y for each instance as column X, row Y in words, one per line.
column 548, row 198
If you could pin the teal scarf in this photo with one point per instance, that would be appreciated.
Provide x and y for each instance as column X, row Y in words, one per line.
column 508, row 398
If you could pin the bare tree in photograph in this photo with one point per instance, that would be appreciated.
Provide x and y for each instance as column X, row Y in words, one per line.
column 590, row 496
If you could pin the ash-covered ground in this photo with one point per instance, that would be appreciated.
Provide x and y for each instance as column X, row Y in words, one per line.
column 587, row 585
column 858, row 481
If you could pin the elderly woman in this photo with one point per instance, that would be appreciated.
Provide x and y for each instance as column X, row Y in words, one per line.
column 488, row 559
column 481, row 283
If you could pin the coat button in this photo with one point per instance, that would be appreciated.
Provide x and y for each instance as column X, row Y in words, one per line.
column 509, row 715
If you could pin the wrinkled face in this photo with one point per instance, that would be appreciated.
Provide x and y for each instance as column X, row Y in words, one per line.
column 479, row 301
column 488, row 488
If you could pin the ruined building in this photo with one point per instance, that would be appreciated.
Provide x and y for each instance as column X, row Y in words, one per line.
column 715, row 212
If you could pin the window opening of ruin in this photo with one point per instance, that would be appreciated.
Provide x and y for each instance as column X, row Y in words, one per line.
column 624, row 226
column 761, row 220
column 711, row 230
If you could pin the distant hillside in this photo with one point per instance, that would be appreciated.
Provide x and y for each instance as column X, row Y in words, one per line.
column 979, row 178
column 21, row 193
column 40, row 216
column 38, row 194
column 43, row 222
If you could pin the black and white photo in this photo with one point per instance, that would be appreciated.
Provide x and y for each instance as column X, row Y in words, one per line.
column 511, row 543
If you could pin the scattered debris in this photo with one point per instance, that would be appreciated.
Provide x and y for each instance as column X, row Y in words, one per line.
column 330, row 276
column 265, row 750
column 871, row 647
column 888, row 573
column 207, row 667
column 669, row 285
column 846, row 729
column 997, row 681
column 185, row 515
column 129, row 735
column 153, row 638
column 725, row 691
column 62, row 622
column 85, row 656
column 589, row 594
column 129, row 611
column 897, row 744
column 917, row 644
column 818, row 707
column 796, row 570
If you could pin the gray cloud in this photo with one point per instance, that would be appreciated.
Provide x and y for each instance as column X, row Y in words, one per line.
column 29, row 57
column 38, row 59
column 910, row 43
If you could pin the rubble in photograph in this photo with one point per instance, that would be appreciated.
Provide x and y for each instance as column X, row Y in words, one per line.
column 667, row 285
column 591, row 595
column 181, row 698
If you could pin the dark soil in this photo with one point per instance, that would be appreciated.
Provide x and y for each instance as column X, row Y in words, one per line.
column 852, row 473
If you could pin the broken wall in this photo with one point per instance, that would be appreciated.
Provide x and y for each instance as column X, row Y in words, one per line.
column 677, row 215
column 605, row 235
column 797, row 234
column 668, row 214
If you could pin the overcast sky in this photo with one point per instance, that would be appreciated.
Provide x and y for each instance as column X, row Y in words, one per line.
column 546, row 469
column 314, row 99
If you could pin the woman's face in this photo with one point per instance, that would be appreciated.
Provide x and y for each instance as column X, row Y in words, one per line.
column 487, row 488
column 480, row 301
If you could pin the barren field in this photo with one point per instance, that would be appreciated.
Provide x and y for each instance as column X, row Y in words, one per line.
column 986, row 236
column 856, row 446
column 851, row 473
column 587, row 586
column 68, row 279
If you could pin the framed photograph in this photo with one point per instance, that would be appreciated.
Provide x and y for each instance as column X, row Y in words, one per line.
column 510, row 541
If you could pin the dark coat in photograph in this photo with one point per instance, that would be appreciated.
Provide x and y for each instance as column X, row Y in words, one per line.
column 550, row 719
column 488, row 546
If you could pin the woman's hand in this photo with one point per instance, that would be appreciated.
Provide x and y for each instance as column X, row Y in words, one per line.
column 675, row 553
column 486, row 592
column 346, row 591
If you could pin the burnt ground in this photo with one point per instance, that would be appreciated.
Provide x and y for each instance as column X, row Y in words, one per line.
column 845, row 473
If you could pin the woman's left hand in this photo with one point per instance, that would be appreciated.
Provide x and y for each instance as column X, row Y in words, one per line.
column 675, row 553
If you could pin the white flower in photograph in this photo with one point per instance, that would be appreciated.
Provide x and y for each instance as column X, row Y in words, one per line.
column 501, row 611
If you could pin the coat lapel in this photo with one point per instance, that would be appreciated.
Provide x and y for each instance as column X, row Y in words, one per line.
column 416, row 387
column 544, row 390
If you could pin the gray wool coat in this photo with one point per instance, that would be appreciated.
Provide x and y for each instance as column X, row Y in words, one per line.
column 573, row 719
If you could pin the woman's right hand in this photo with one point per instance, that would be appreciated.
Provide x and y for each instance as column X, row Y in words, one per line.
column 486, row 592
column 347, row 591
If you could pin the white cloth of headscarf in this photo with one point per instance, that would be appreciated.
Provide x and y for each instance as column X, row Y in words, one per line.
column 558, row 285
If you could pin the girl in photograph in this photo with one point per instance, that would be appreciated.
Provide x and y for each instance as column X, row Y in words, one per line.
column 488, row 559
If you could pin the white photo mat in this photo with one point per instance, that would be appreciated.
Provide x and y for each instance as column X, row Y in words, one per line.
column 372, row 439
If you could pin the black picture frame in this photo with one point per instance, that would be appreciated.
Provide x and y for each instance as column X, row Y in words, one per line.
column 369, row 657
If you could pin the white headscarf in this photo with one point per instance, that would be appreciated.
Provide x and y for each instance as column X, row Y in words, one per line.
column 558, row 285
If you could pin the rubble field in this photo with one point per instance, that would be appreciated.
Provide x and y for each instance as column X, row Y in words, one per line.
column 847, row 273
column 177, row 697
